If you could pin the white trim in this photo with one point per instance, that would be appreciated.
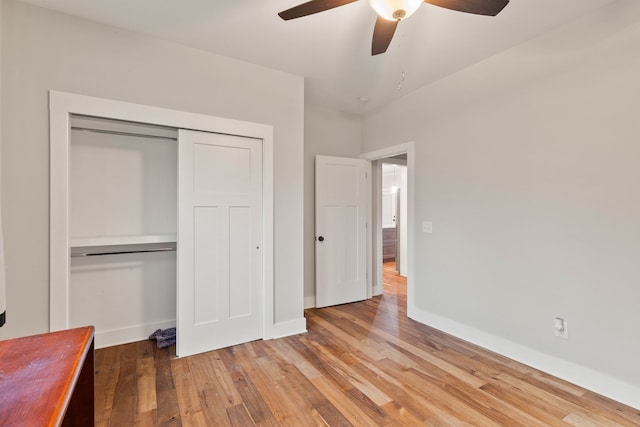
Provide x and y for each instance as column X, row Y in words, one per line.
column 61, row 105
column 368, row 244
column 409, row 149
column 110, row 109
column 59, row 220
column 113, row 337
column 584, row 377
column 395, row 150
column 377, row 252
column 268, row 296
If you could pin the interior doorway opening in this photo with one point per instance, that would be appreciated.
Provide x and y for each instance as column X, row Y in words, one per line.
column 393, row 196
column 400, row 155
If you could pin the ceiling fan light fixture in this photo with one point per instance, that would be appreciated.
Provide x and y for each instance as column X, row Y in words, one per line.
column 395, row 10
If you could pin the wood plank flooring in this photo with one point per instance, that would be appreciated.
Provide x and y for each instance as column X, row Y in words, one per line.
column 362, row 364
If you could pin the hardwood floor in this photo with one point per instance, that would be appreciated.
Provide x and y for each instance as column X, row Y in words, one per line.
column 362, row 364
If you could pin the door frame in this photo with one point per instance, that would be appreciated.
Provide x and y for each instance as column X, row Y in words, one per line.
column 61, row 106
column 375, row 236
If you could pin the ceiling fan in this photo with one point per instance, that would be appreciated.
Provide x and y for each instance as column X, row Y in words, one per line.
column 390, row 12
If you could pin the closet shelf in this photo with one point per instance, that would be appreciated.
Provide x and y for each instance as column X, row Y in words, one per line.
column 88, row 251
column 75, row 242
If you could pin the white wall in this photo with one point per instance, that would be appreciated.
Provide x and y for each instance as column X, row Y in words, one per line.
column 326, row 132
column 529, row 170
column 45, row 50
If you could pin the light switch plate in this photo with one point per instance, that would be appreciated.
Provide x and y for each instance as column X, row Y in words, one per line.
column 427, row 227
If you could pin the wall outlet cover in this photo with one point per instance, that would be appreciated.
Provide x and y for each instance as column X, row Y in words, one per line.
column 561, row 328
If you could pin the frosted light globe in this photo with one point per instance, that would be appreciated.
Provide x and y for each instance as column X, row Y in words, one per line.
column 395, row 10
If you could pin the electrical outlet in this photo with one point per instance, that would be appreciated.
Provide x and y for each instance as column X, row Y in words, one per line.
column 561, row 328
column 427, row 227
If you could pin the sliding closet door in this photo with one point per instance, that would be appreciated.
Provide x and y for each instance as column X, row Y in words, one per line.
column 219, row 241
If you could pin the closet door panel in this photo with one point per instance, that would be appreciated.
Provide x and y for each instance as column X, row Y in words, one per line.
column 219, row 241
column 222, row 169
column 207, row 291
column 240, row 250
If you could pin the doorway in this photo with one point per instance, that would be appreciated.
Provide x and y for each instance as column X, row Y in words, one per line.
column 393, row 194
column 402, row 154
column 394, row 213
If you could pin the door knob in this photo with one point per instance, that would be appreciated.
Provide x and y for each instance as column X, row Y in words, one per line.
column 321, row 239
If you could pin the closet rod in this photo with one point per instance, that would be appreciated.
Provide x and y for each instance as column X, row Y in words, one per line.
column 138, row 251
column 115, row 132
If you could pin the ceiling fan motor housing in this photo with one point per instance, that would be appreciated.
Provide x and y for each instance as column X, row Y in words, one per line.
column 395, row 10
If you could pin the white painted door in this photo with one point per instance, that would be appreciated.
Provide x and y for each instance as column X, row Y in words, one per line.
column 219, row 241
column 341, row 226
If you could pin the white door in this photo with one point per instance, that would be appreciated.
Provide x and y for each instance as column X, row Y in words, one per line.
column 219, row 241
column 341, row 227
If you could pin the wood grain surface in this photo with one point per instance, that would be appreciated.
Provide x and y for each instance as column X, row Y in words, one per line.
column 361, row 364
column 47, row 379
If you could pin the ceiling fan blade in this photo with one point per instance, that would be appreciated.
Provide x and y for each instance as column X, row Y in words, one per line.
column 478, row 7
column 311, row 7
column 382, row 35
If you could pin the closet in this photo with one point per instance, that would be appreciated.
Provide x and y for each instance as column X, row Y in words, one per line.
column 122, row 228
column 159, row 218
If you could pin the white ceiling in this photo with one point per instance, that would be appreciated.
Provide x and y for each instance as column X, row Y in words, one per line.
column 332, row 49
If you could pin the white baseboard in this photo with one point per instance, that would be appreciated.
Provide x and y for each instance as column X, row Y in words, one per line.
column 113, row 337
column 285, row 329
column 309, row 302
column 590, row 379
